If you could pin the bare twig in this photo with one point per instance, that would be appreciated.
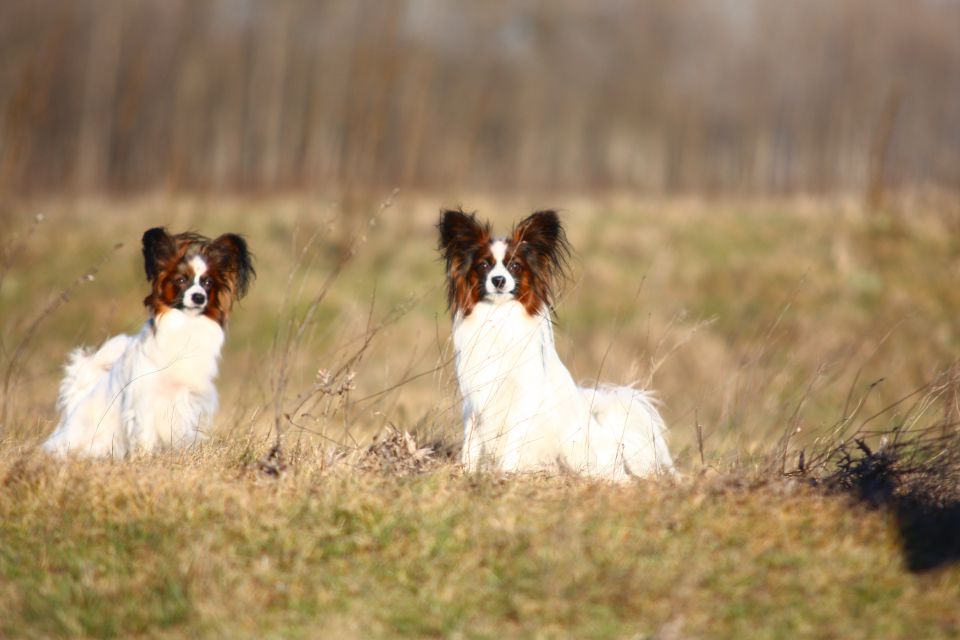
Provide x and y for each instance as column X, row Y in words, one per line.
column 14, row 362
column 17, row 243
column 699, row 429
column 288, row 341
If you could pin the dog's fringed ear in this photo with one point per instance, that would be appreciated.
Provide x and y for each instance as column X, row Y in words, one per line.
column 158, row 248
column 541, row 236
column 460, row 231
column 234, row 260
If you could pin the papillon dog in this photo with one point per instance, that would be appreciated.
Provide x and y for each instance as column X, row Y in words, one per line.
column 522, row 410
column 156, row 390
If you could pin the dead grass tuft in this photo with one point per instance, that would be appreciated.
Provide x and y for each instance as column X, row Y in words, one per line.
column 397, row 453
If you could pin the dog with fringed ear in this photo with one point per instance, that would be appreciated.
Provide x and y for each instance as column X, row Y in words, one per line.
column 155, row 390
column 522, row 411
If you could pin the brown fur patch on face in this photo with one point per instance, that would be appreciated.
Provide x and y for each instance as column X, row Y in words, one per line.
column 469, row 279
column 529, row 290
column 465, row 246
column 167, row 264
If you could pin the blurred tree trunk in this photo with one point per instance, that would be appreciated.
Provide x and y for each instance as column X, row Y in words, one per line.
column 881, row 149
column 100, row 84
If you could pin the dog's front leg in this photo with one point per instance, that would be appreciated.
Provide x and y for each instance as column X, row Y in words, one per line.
column 470, row 454
column 514, row 452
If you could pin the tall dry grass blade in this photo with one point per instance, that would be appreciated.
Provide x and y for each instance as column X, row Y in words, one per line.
column 20, row 349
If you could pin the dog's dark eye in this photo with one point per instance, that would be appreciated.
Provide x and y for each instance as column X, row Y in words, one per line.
column 180, row 281
column 514, row 267
column 483, row 267
column 206, row 282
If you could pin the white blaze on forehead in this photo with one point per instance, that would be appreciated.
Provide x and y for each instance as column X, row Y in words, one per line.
column 499, row 250
column 199, row 266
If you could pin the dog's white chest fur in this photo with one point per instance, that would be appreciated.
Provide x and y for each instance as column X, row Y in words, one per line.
column 523, row 411
column 141, row 393
column 500, row 355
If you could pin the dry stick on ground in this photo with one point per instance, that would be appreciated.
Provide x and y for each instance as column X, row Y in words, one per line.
column 282, row 371
column 337, row 384
column 699, row 429
column 340, row 382
column 296, row 329
column 13, row 364
column 295, row 333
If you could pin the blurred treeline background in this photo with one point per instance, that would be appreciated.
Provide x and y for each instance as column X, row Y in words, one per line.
column 705, row 96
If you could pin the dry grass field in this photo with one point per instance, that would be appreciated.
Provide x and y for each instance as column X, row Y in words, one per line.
column 777, row 332
column 787, row 283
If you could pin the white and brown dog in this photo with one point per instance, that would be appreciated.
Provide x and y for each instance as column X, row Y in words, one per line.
column 156, row 390
column 522, row 410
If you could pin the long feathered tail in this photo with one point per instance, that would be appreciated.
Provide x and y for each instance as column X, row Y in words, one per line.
column 631, row 416
column 85, row 369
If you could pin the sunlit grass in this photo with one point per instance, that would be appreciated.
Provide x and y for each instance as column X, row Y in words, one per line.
column 202, row 545
column 750, row 319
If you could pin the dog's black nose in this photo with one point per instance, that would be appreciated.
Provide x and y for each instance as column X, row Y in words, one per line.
column 499, row 281
column 198, row 298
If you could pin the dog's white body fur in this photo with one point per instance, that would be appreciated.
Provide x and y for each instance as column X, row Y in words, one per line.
column 522, row 410
column 141, row 393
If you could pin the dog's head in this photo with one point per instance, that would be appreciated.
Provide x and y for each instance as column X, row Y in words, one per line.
column 195, row 274
column 524, row 266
